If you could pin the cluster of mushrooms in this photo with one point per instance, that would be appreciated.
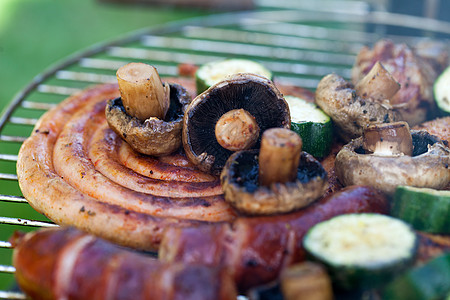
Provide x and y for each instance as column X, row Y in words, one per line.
column 239, row 129
column 382, row 151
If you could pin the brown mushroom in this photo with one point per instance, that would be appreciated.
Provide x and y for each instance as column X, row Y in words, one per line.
column 277, row 179
column 230, row 116
column 145, row 121
column 389, row 164
column 352, row 109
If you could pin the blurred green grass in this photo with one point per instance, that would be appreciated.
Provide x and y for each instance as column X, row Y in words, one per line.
column 35, row 34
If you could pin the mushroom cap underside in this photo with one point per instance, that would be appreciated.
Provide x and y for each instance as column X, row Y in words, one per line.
column 240, row 184
column 255, row 94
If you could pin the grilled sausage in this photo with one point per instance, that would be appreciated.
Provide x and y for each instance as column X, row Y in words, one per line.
column 257, row 249
column 83, row 197
column 69, row 264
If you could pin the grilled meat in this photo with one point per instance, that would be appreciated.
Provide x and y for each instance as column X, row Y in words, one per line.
column 69, row 264
column 57, row 172
column 416, row 75
column 257, row 249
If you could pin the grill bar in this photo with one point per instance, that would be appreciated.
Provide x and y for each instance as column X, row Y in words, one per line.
column 8, row 176
column 25, row 222
column 15, row 199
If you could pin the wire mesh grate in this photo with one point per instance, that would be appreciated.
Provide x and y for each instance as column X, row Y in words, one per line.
column 299, row 46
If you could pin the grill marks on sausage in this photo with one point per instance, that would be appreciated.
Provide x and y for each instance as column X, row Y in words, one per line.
column 83, row 132
column 103, row 151
column 257, row 249
column 49, row 193
column 65, row 263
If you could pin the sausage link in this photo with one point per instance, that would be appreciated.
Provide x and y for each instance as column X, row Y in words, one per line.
column 257, row 249
column 66, row 263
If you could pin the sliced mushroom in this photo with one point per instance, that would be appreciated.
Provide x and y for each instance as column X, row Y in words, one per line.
column 352, row 110
column 428, row 166
column 153, row 136
column 230, row 116
column 260, row 182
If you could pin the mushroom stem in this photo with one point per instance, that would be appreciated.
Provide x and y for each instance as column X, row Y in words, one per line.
column 390, row 139
column 237, row 130
column 279, row 156
column 142, row 92
column 378, row 84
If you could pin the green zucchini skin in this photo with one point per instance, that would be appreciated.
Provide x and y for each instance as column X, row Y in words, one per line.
column 426, row 282
column 354, row 277
column 316, row 137
column 426, row 210
column 312, row 125
column 441, row 90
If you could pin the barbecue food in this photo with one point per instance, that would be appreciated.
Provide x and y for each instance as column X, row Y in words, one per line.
column 57, row 172
column 77, row 171
column 255, row 104
column 257, row 249
column 280, row 178
column 350, row 112
column 439, row 127
column 427, row 166
column 416, row 75
column 68, row 264
column 152, row 136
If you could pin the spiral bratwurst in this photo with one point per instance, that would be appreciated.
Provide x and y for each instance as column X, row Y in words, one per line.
column 74, row 182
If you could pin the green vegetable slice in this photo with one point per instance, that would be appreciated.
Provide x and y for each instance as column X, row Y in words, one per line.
column 442, row 91
column 312, row 124
column 211, row 73
column 426, row 282
column 425, row 209
column 362, row 250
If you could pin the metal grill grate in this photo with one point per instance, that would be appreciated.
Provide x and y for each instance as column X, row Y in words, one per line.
column 300, row 46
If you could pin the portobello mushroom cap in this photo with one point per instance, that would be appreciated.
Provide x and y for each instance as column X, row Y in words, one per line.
column 427, row 167
column 152, row 136
column 350, row 112
column 255, row 94
column 241, row 186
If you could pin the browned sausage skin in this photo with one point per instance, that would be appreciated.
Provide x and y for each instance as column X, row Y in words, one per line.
column 69, row 264
column 256, row 249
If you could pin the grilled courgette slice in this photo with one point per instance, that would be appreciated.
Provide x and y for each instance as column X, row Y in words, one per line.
column 213, row 72
column 425, row 209
column 313, row 126
column 441, row 91
column 426, row 282
column 362, row 250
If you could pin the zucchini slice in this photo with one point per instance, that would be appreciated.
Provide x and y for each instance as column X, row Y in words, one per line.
column 425, row 209
column 211, row 73
column 362, row 250
column 441, row 91
column 312, row 124
column 426, row 282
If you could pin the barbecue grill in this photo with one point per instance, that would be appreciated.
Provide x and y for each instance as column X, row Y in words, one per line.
column 300, row 45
